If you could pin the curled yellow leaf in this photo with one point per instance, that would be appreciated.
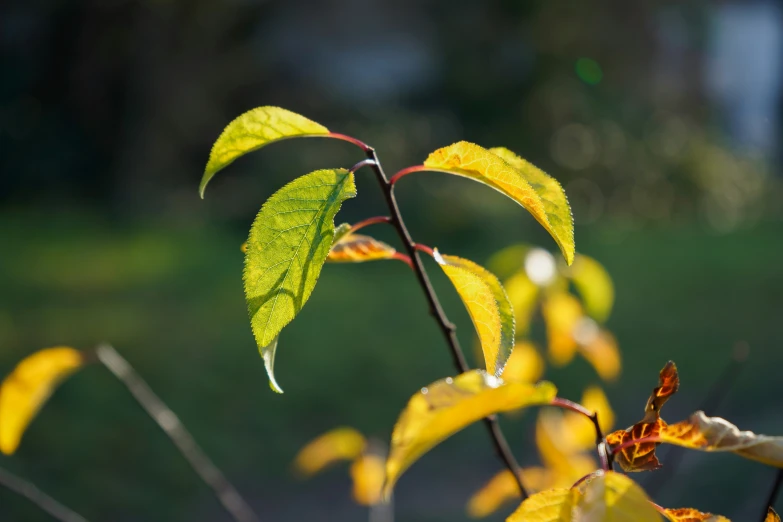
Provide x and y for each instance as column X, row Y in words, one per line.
column 251, row 131
column 524, row 364
column 449, row 405
column 594, row 284
column 488, row 306
column 613, row 496
column 524, row 183
column 368, row 473
column 562, row 312
column 333, row 446
column 600, row 349
column 523, row 296
column 357, row 248
column 25, row 390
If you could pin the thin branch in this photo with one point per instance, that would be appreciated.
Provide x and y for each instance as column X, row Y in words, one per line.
column 369, row 221
column 404, row 172
column 446, row 327
column 773, row 494
column 39, row 498
column 170, row 424
column 600, row 442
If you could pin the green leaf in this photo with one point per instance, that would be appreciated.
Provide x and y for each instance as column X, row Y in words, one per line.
column 288, row 244
column 556, row 207
column 252, row 130
column 488, row 306
column 529, row 186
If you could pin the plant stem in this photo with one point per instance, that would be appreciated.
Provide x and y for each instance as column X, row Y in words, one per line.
column 39, row 498
column 773, row 494
column 170, row 424
column 369, row 221
column 446, row 327
column 600, row 444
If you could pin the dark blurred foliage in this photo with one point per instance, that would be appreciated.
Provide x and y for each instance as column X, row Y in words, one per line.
column 108, row 109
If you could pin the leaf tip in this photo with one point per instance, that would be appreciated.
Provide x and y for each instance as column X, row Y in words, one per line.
column 268, row 354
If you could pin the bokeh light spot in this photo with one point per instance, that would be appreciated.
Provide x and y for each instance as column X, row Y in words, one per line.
column 589, row 71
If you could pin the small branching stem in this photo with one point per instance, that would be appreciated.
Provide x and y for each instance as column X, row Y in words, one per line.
column 448, row 329
column 425, row 249
column 168, row 421
column 369, row 221
column 39, row 498
column 600, row 442
column 404, row 172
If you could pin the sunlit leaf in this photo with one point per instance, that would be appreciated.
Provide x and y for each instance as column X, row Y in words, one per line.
column 528, row 186
column 602, row 352
column 552, row 505
column 562, row 313
column 288, row 244
column 446, row 406
column 268, row 353
column 606, row 497
column 641, row 456
column 25, row 390
column 525, row 364
column 503, row 488
column 523, row 295
column 333, row 446
column 368, row 473
column 614, row 497
column 717, row 434
column 553, row 198
column 772, row 516
column 251, row 131
column 594, row 284
column 357, row 248
column 488, row 306
column 340, row 231
column 692, row 515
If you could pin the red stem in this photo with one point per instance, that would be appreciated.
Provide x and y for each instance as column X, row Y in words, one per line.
column 600, row 442
column 424, row 248
column 349, row 139
column 405, row 172
column 369, row 221
column 405, row 259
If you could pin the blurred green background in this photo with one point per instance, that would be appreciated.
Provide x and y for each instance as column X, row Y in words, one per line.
column 661, row 120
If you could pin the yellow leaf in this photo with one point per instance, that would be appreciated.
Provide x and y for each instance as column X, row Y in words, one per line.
column 614, row 497
column 488, row 306
column 594, row 399
column 562, row 313
column 449, row 405
column 524, row 183
column 523, row 296
column 503, row 488
column 772, row 516
column 251, row 131
column 27, row 388
column 524, row 364
column 692, row 515
column 594, row 284
column 561, row 450
column 357, row 248
column 717, row 434
column 602, row 352
column 552, row 505
column 553, row 198
column 368, row 473
column 333, row 446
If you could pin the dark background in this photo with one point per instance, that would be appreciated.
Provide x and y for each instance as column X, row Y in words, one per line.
column 661, row 120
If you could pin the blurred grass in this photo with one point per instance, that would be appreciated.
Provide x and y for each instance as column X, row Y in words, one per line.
column 169, row 298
